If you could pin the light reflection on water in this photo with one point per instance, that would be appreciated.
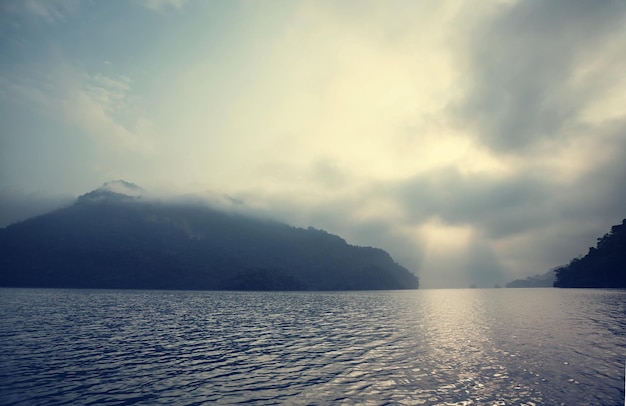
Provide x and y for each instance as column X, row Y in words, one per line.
column 429, row 347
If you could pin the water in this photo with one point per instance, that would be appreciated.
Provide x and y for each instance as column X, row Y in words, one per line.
column 428, row 347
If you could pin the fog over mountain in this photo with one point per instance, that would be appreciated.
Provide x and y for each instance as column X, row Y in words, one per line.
column 478, row 142
column 545, row 280
column 117, row 238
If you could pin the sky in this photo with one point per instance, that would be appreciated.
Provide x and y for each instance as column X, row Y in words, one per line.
column 475, row 141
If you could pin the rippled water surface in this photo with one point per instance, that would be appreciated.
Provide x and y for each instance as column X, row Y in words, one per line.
column 428, row 347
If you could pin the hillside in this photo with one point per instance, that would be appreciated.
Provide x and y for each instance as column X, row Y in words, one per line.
column 545, row 280
column 113, row 238
column 604, row 266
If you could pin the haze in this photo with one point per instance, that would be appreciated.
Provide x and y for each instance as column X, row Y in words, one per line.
column 475, row 141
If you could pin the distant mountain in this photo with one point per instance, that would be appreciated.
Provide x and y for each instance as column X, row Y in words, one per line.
column 545, row 280
column 114, row 238
column 603, row 267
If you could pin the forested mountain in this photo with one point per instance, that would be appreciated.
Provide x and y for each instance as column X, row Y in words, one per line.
column 545, row 280
column 113, row 238
column 603, row 267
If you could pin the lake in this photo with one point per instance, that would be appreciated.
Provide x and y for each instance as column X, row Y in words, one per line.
column 425, row 347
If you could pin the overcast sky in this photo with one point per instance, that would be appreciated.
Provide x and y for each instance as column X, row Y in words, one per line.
column 476, row 141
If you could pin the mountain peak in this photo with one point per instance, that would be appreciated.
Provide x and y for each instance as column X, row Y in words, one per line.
column 113, row 190
column 121, row 187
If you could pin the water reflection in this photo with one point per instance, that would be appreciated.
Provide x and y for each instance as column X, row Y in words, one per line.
column 430, row 347
column 466, row 364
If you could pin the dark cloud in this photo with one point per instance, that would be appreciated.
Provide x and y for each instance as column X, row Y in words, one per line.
column 520, row 67
column 598, row 193
column 500, row 206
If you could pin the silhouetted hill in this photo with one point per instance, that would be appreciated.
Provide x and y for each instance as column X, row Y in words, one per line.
column 545, row 280
column 113, row 238
column 603, row 267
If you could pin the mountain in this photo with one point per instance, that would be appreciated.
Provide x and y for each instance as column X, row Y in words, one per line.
column 115, row 238
column 603, row 267
column 117, row 189
column 545, row 280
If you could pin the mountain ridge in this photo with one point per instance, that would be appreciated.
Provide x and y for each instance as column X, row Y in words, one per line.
column 109, row 239
column 545, row 280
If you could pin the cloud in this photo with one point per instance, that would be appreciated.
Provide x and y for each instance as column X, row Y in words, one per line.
column 99, row 106
column 50, row 11
column 498, row 205
column 533, row 67
column 378, row 144
column 472, row 140
column 457, row 228
column 163, row 5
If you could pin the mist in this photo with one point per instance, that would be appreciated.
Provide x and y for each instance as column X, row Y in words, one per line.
column 477, row 143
